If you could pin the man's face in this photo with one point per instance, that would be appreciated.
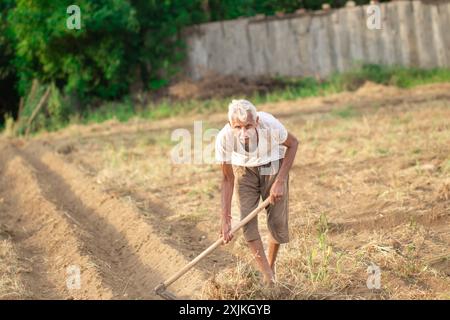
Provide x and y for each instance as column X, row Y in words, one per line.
column 245, row 131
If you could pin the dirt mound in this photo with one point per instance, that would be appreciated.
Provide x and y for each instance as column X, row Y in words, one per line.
column 371, row 178
column 369, row 89
column 64, row 220
column 215, row 86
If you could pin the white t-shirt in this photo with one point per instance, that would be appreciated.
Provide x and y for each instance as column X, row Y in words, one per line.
column 271, row 134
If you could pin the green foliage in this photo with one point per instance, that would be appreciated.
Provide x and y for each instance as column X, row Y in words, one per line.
column 159, row 47
column 388, row 75
column 58, row 109
column 6, row 44
column 231, row 9
column 124, row 42
column 121, row 111
column 32, row 97
column 345, row 113
column 89, row 61
column 8, row 76
column 54, row 114
column 120, row 42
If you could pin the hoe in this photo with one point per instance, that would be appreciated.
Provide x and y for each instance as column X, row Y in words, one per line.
column 161, row 288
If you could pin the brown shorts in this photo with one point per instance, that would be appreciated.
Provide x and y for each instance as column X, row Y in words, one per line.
column 252, row 184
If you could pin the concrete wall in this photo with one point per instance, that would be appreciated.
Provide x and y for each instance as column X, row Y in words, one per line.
column 414, row 33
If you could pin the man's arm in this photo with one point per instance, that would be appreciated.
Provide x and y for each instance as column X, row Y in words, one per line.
column 278, row 189
column 227, row 194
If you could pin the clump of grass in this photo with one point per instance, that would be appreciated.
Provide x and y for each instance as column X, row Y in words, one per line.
column 307, row 267
column 403, row 77
column 235, row 283
column 54, row 114
column 11, row 286
column 319, row 256
column 122, row 111
column 446, row 166
column 345, row 113
column 9, row 126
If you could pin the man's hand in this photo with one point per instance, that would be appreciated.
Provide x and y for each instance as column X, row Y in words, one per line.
column 225, row 230
column 279, row 186
column 277, row 191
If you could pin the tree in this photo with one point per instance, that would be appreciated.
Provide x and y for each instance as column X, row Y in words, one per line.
column 9, row 98
column 94, row 60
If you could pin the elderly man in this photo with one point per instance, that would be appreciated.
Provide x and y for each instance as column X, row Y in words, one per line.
column 256, row 153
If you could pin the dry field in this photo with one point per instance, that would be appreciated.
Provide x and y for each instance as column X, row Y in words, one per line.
column 370, row 186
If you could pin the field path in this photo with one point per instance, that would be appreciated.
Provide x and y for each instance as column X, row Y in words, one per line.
column 106, row 199
column 65, row 220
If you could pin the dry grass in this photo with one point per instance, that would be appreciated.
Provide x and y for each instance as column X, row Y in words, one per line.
column 10, row 127
column 367, row 189
column 11, row 286
column 370, row 185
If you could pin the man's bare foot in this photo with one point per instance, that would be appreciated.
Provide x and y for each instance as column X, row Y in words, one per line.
column 272, row 290
column 267, row 278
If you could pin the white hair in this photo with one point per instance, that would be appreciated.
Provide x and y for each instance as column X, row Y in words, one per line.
column 241, row 110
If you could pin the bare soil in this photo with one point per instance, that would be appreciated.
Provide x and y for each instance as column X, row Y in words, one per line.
column 375, row 164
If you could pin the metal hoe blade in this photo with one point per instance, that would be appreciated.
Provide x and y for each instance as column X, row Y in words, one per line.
column 160, row 290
